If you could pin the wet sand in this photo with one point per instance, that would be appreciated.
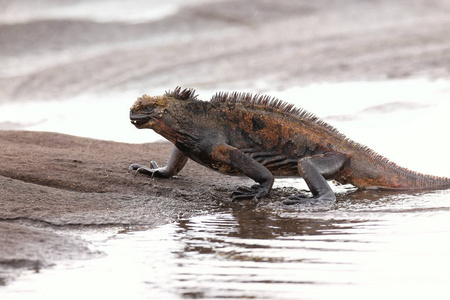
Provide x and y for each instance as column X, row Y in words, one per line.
column 51, row 183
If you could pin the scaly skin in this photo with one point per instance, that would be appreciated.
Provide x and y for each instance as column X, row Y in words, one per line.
column 263, row 137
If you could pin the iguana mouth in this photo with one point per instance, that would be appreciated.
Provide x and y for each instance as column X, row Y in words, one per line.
column 139, row 119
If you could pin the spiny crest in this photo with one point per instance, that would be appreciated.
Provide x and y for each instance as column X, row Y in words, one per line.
column 256, row 100
column 182, row 94
column 271, row 103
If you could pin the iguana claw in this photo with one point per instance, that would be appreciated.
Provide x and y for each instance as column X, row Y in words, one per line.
column 255, row 191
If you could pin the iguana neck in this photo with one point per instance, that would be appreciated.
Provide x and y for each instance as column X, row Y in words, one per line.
column 186, row 122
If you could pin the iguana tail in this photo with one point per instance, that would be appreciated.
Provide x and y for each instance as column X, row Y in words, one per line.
column 371, row 170
column 410, row 180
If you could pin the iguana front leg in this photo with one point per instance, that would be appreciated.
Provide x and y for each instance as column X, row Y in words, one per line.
column 249, row 167
column 314, row 170
column 175, row 163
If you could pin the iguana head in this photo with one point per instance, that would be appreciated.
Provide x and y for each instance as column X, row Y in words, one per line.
column 148, row 110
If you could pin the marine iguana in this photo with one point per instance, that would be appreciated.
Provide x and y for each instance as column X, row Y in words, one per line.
column 262, row 137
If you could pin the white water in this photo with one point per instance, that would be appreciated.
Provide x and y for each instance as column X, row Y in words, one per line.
column 136, row 11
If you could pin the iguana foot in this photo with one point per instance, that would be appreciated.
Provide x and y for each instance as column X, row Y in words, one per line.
column 153, row 171
column 300, row 199
column 255, row 191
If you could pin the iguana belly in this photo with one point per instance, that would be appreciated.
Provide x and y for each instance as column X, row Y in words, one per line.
column 278, row 164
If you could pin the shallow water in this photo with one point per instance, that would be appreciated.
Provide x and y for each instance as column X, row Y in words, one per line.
column 370, row 245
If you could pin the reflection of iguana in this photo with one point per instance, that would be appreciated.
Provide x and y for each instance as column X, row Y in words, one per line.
column 259, row 136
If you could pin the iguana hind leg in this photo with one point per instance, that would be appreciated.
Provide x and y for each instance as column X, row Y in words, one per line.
column 175, row 163
column 314, row 170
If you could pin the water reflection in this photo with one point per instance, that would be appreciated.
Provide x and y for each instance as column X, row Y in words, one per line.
column 247, row 254
column 356, row 248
